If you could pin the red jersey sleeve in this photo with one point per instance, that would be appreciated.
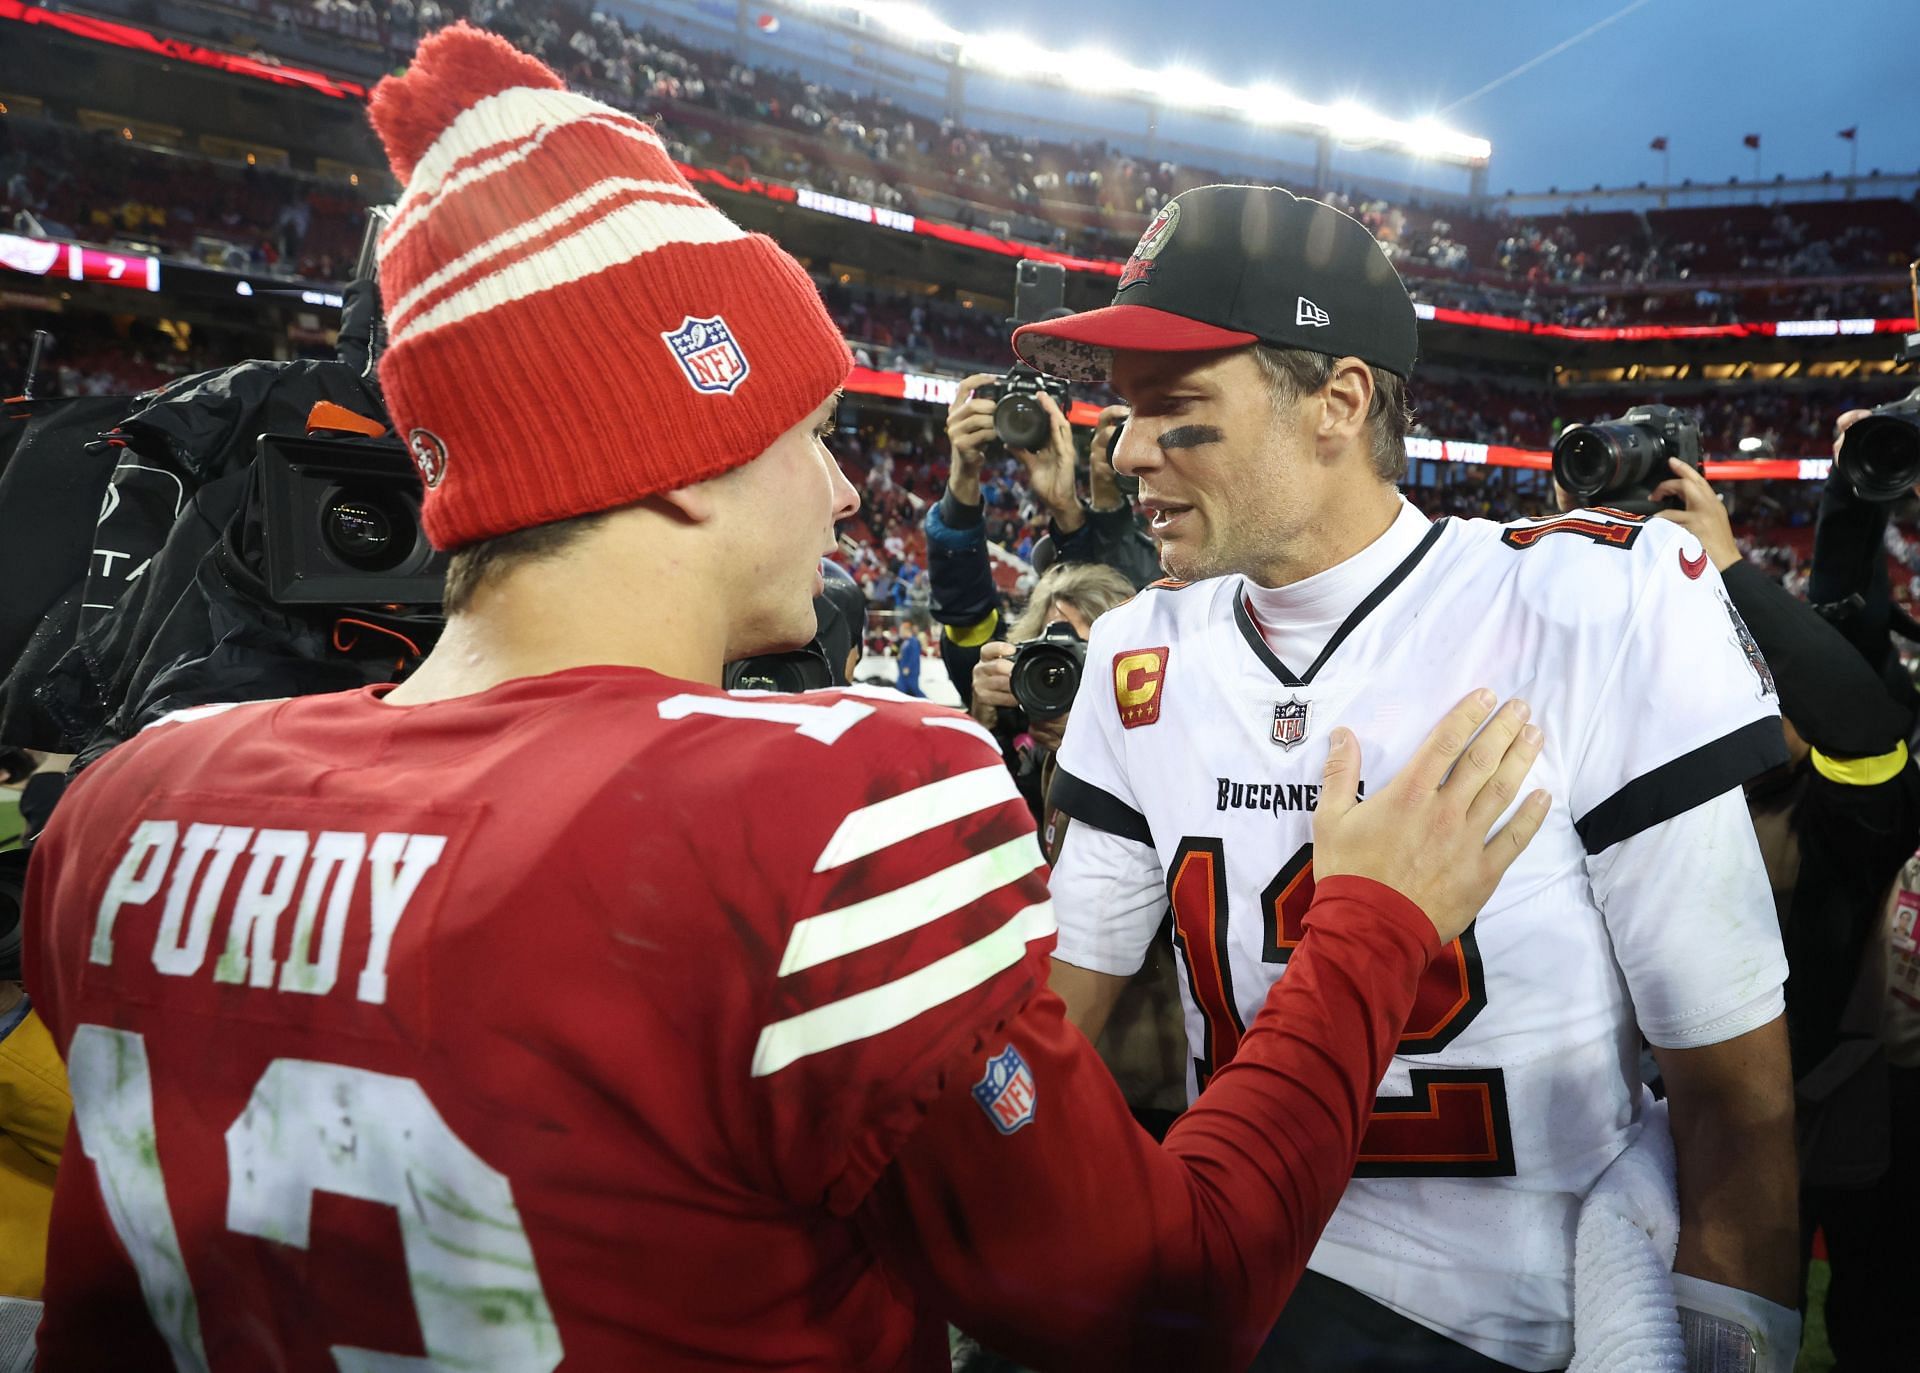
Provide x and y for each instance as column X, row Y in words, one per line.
column 918, row 922
column 1074, row 1241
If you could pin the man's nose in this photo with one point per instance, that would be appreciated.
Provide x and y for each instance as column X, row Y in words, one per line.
column 1138, row 453
column 846, row 500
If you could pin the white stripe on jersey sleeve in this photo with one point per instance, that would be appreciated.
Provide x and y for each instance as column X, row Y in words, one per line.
column 963, row 725
column 882, row 1008
column 833, row 934
column 885, row 823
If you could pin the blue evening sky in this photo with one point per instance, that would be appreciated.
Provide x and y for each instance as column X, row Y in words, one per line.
column 1704, row 73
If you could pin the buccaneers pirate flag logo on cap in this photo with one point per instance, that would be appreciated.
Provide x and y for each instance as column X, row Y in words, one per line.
column 1139, row 267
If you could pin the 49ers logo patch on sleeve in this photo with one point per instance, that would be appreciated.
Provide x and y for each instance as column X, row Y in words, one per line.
column 1139, row 675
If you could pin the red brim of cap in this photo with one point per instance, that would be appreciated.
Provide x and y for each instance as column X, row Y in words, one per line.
column 1082, row 346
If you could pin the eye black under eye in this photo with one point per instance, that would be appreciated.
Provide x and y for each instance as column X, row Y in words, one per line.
column 1190, row 436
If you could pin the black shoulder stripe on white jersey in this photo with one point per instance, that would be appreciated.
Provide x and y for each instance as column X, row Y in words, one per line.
column 1101, row 809
column 1678, row 786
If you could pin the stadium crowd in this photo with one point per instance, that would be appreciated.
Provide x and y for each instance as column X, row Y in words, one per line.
column 1721, row 264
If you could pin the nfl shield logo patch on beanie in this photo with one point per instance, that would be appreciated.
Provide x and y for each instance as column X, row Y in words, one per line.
column 708, row 354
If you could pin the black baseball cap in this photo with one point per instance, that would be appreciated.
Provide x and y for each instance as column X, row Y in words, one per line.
column 1229, row 266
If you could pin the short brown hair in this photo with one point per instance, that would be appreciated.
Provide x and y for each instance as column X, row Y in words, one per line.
column 474, row 566
column 1295, row 372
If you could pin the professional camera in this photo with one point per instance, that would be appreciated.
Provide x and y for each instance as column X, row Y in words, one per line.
column 1039, row 292
column 840, row 619
column 1619, row 462
column 1880, row 455
column 342, row 524
column 1046, row 671
column 1018, row 417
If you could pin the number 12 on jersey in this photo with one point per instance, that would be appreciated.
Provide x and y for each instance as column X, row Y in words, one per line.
column 1453, row 1122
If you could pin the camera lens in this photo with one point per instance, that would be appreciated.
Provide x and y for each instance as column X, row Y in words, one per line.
column 1045, row 681
column 1613, row 457
column 1021, row 423
column 1880, row 457
column 1586, row 460
column 367, row 531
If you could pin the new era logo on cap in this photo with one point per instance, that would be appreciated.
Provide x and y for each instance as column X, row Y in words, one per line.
column 1306, row 312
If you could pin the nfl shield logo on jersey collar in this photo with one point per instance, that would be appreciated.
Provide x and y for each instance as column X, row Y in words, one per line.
column 1290, row 721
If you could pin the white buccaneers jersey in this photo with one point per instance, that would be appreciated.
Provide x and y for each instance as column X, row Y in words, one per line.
column 1191, row 768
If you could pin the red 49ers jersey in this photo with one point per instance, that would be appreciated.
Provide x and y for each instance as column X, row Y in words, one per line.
column 557, row 1026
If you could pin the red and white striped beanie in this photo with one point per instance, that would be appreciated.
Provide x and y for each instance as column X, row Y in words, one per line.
column 571, row 326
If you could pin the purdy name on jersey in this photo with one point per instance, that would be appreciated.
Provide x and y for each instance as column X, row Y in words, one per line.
column 197, row 866
column 1640, row 906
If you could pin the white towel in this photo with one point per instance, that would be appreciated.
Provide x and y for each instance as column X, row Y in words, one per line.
column 1623, row 1311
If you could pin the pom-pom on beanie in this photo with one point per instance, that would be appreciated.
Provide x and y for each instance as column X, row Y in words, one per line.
column 571, row 326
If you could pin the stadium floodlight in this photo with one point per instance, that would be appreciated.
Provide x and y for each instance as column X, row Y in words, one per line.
column 1750, row 444
column 1350, row 123
column 914, row 21
column 1097, row 70
column 1186, row 87
column 1016, row 57
column 1271, row 105
column 1012, row 54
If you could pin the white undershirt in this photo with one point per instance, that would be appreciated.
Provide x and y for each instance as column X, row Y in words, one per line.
column 1297, row 620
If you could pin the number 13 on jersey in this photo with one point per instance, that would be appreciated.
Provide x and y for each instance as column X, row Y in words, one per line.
column 1452, row 1123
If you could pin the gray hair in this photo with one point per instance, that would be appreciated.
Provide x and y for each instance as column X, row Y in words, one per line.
column 1295, row 372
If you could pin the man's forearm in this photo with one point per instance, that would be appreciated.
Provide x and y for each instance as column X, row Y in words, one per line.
column 964, row 486
column 1738, row 1177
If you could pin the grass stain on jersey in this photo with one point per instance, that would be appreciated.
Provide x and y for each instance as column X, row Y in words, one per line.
column 523, row 1307
column 440, row 1196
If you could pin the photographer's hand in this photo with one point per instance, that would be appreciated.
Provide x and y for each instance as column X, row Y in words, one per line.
column 1048, row 733
column 1050, row 471
column 993, row 676
column 1105, row 492
column 969, row 431
column 1844, row 423
column 1703, row 516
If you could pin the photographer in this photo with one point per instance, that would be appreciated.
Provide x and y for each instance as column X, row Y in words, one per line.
column 1835, row 827
column 964, row 598
column 1075, row 594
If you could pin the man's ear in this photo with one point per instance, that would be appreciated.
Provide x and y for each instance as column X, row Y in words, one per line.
column 696, row 504
column 1348, row 397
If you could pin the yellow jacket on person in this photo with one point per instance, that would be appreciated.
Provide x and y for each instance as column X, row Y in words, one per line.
column 34, row 1110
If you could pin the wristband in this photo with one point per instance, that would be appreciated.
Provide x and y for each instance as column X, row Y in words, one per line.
column 1730, row 1330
